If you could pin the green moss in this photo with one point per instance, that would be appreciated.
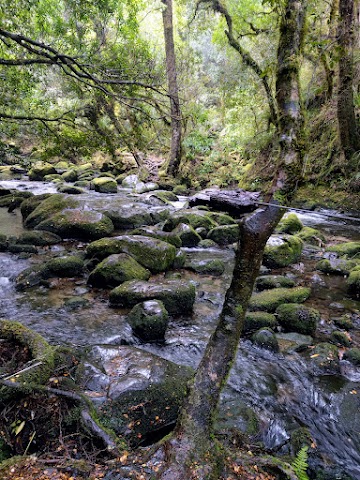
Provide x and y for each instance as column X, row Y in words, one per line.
column 225, row 234
column 290, row 224
column 298, row 318
column 105, row 185
column 30, row 204
column 269, row 300
column 326, row 356
column 353, row 283
column 209, row 267
column 70, row 175
column 39, row 170
column 68, row 266
column 266, row 338
column 195, row 218
column 149, row 320
column 221, row 218
column 336, row 266
column 340, row 338
column 267, row 282
column 116, row 269
column 188, row 236
column 284, row 252
column 38, row 238
column 312, row 236
column 153, row 232
column 48, row 207
column 353, row 356
column 344, row 322
column 349, row 249
column 256, row 320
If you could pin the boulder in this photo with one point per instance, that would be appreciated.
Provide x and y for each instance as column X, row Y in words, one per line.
column 105, row 185
column 298, row 318
column 281, row 251
column 78, row 223
column 290, row 224
column 258, row 320
column 207, row 267
column 348, row 248
column 30, row 204
column 353, row 283
column 267, row 282
column 269, row 300
column 149, row 320
column 70, row 175
column 154, row 232
column 341, row 339
column 311, row 236
column 225, row 234
column 116, row 269
column 266, row 338
column 143, row 187
column 130, row 216
column 165, row 196
column 135, row 393
column 353, row 355
column 40, row 169
column 151, row 253
column 195, row 218
column 177, row 296
column 187, row 235
column 130, row 181
column 45, row 208
column 70, row 189
column 334, row 265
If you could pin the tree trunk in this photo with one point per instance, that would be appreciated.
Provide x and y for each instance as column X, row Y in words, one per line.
column 349, row 134
column 173, row 91
column 192, row 450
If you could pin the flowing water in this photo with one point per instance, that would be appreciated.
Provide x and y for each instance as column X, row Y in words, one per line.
column 284, row 391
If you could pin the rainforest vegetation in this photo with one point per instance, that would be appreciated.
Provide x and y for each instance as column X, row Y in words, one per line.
column 259, row 95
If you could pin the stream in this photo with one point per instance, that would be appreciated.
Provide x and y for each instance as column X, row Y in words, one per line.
column 284, row 390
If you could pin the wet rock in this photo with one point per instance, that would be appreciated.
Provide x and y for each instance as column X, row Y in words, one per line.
column 353, row 355
column 188, row 236
column 207, row 267
column 267, row 282
column 151, row 253
column 298, row 318
column 281, row 251
column 70, row 175
column 105, row 185
column 335, row 265
column 269, row 300
column 178, row 297
column 257, row 320
column 224, row 234
column 30, row 204
column 143, row 187
column 78, row 223
column 221, row 218
column 266, row 338
column 130, row 181
column 195, row 218
column 39, row 170
column 23, row 248
column 149, row 320
column 207, row 243
column 165, row 196
column 293, row 342
column 70, row 190
column 179, row 260
column 341, row 339
column 140, row 393
column 47, row 208
column 116, row 269
column 68, row 266
column 75, row 303
column 344, row 322
column 290, row 224
column 155, row 232
column 326, row 357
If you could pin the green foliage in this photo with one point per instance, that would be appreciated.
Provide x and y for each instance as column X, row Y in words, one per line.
column 300, row 464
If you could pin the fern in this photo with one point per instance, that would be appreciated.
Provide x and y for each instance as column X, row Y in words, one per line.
column 300, row 464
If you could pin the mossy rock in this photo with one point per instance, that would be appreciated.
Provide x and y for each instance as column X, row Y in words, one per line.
column 290, row 224
column 61, row 166
column 298, row 318
column 207, row 243
column 39, row 239
column 39, row 170
column 281, row 251
column 78, row 223
column 214, row 267
column 105, row 185
column 54, row 178
column 68, row 266
column 85, row 167
column 269, row 300
column 353, row 355
column 165, row 196
column 52, row 205
column 349, row 249
column 154, row 232
column 311, row 236
column 30, row 204
column 344, row 322
column 133, row 216
column 195, row 218
column 179, row 260
column 340, row 338
column 177, row 296
column 13, row 200
column 70, row 190
column 353, row 284
column 188, row 236
column 39, row 349
column 267, row 282
column 70, row 175
column 180, row 190
column 266, row 338
column 224, row 234
column 149, row 320
column 21, row 248
column 257, row 320
column 151, row 253
column 326, row 357
column 221, row 218
column 3, row 242
column 116, row 269
column 336, row 266
column 143, row 187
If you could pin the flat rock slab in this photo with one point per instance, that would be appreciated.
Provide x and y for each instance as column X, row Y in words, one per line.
column 235, row 202
column 177, row 296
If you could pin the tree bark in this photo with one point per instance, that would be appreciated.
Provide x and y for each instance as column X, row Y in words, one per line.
column 173, row 90
column 348, row 128
column 192, row 450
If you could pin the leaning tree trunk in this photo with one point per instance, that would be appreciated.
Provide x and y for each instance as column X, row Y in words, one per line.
column 173, row 90
column 349, row 133
column 191, row 452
